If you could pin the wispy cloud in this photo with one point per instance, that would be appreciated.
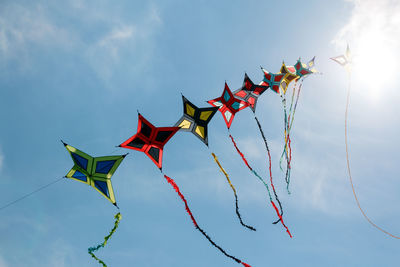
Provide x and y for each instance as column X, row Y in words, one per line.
column 3, row 262
column 21, row 27
column 104, row 42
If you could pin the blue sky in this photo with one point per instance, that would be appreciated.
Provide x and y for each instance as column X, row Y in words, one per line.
column 80, row 70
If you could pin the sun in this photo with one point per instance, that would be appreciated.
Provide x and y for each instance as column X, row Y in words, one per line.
column 373, row 33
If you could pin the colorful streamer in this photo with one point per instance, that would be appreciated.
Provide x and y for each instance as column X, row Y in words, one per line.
column 269, row 166
column 175, row 186
column 265, row 184
column 234, row 192
column 117, row 217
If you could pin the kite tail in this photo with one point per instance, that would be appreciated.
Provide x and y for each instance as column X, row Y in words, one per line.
column 234, row 192
column 281, row 219
column 290, row 124
column 117, row 217
column 269, row 166
column 250, row 168
column 175, row 186
column 349, row 171
column 262, row 180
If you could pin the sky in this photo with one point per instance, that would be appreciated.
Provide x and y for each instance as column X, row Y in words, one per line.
column 80, row 70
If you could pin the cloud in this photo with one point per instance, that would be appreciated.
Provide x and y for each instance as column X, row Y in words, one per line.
column 21, row 27
column 103, row 40
column 124, row 40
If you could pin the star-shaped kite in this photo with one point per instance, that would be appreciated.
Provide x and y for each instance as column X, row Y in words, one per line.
column 94, row 171
column 150, row 140
column 250, row 92
column 303, row 69
column 277, row 81
column 195, row 119
column 344, row 60
column 228, row 105
column 310, row 66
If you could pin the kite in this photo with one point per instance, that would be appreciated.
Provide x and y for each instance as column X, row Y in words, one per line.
column 225, row 103
column 278, row 82
column 96, row 172
column 345, row 61
column 228, row 105
column 250, row 92
column 151, row 140
column 195, row 120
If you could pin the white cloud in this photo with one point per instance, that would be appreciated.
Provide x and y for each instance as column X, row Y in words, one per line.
column 104, row 42
column 21, row 27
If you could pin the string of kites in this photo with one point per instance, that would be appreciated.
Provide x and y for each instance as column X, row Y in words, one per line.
column 97, row 171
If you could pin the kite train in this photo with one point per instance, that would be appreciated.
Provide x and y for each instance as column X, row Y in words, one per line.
column 149, row 139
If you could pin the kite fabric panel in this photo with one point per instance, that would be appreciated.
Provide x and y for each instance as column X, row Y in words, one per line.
column 150, row 140
column 250, row 92
column 94, row 171
column 196, row 119
column 228, row 105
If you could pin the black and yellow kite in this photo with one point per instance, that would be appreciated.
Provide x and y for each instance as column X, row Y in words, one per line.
column 195, row 119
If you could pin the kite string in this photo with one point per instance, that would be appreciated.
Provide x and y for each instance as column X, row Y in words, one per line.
column 117, row 217
column 31, row 193
column 269, row 165
column 234, row 192
column 348, row 166
column 265, row 184
column 176, row 188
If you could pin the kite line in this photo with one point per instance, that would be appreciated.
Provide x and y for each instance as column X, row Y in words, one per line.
column 31, row 193
column 117, row 217
column 348, row 166
column 234, row 192
column 189, row 212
